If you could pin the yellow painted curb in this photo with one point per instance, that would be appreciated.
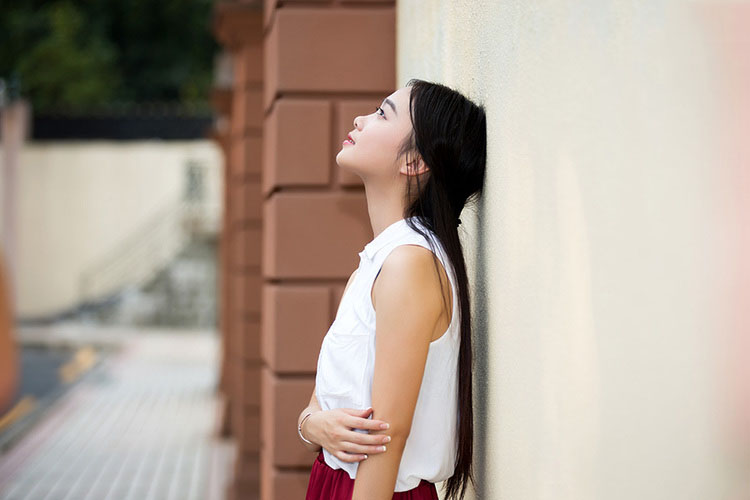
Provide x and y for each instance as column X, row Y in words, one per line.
column 82, row 361
column 25, row 406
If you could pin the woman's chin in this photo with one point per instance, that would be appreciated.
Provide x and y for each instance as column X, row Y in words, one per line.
column 341, row 162
column 348, row 167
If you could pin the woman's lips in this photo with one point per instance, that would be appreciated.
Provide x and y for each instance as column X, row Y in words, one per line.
column 347, row 141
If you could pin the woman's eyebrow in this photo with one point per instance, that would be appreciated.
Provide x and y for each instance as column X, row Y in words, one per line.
column 393, row 106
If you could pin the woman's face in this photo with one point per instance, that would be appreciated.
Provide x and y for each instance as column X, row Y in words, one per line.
column 377, row 138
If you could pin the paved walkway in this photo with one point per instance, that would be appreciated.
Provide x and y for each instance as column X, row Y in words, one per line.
column 140, row 426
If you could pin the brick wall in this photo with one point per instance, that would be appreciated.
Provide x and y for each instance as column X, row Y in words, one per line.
column 238, row 27
column 294, row 222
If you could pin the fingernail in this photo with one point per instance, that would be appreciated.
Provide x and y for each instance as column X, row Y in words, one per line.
column 384, row 426
column 382, row 448
column 388, row 439
column 365, row 457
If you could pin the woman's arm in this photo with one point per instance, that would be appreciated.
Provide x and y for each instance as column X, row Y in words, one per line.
column 314, row 406
column 409, row 305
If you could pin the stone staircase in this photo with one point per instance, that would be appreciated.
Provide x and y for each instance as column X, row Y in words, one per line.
column 182, row 295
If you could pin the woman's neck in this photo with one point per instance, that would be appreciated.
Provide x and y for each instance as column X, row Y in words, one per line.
column 384, row 205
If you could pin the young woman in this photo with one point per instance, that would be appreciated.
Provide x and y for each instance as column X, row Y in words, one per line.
column 391, row 412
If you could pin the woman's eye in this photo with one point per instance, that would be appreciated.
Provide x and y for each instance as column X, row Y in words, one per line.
column 380, row 111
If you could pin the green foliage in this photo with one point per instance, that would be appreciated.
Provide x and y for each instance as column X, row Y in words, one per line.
column 79, row 54
column 69, row 66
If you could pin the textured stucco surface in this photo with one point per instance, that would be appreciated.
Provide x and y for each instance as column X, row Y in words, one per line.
column 596, row 272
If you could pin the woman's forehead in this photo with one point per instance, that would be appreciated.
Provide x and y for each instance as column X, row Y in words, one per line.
column 402, row 92
column 400, row 98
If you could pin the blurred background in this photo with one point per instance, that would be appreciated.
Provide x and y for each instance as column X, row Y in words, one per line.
column 114, row 175
column 111, row 213
column 176, row 236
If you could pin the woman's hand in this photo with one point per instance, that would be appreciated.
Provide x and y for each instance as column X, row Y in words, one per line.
column 332, row 429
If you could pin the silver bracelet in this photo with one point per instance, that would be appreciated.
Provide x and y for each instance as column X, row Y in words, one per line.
column 299, row 428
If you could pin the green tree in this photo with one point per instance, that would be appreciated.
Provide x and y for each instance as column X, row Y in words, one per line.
column 165, row 47
column 70, row 67
column 83, row 53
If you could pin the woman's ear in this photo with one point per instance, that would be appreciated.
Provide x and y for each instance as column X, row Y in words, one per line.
column 414, row 167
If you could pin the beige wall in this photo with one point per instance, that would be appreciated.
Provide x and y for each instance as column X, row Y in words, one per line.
column 79, row 200
column 597, row 271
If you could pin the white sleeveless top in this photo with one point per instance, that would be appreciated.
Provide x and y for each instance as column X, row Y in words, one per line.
column 346, row 365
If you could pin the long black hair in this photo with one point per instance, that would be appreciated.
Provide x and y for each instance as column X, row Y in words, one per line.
column 449, row 133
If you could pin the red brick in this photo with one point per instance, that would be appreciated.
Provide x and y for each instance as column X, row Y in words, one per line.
column 269, row 12
column 237, row 158
column 237, row 408
column 237, row 23
column 330, row 50
column 287, row 484
column 253, row 147
column 221, row 100
column 238, row 298
column 246, row 385
column 296, row 144
column 245, row 490
column 294, row 320
column 239, row 120
column 314, row 235
column 282, row 484
column 245, row 156
column 305, row 235
column 246, row 244
column 249, row 437
column 245, row 202
column 247, row 468
column 271, row 61
column 245, row 294
column 251, row 383
column 253, row 201
column 281, row 402
column 248, row 345
column 248, row 66
column 253, row 293
column 234, row 212
column 247, row 111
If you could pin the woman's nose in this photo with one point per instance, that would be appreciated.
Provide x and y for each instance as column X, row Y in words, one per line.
column 359, row 121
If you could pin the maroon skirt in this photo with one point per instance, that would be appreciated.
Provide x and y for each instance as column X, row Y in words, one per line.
column 335, row 484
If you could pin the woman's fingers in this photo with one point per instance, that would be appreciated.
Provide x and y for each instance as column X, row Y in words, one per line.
column 363, row 449
column 352, row 452
column 350, row 445
column 366, row 423
column 348, row 457
column 357, row 411
column 360, row 416
column 367, row 439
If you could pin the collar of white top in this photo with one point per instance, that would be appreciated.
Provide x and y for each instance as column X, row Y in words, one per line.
column 386, row 236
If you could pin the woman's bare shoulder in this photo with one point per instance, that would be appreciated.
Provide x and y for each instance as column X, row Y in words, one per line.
column 409, row 256
column 409, row 269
